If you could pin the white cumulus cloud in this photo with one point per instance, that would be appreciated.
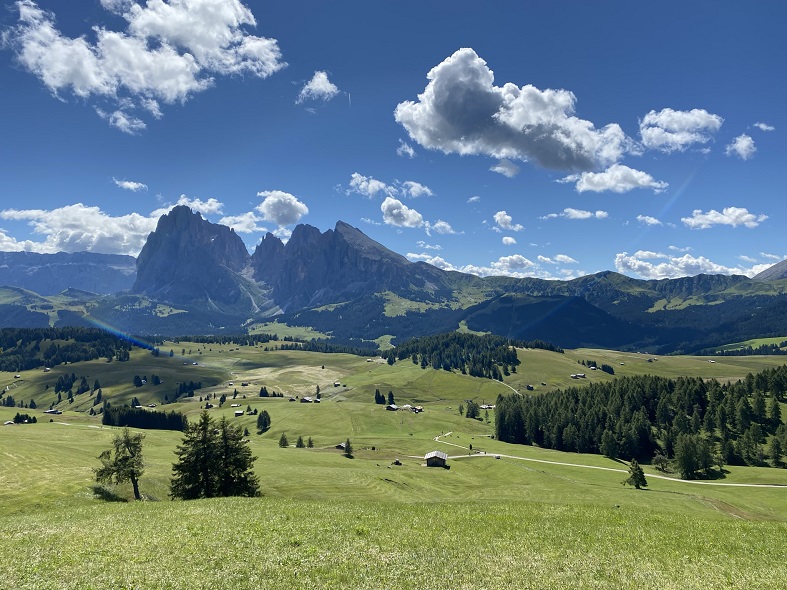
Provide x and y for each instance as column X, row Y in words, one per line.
column 505, row 221
column 648, row 220
column 439, row 226
column 764, row 127
column 462, row 111
column 571, row 213
column 742, row 146
column 398, row 214
column 281, row 208
column 617, row 178
column 414, row 189
column 167, row 52
column 80, row 228
column 669, row 130
column 318, row 88
column 210, row 207
column 405, row 150
column 245, row 223
column 368, row 186
column 509, row 241
column 506, row 168
column 646, row 265
column 130, row 185
column 733, row 216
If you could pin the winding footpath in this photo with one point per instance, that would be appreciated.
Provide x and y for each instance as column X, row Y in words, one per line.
column 653, row 475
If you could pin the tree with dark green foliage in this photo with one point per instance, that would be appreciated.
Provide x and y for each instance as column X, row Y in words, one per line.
column 310, row 443
column 299, row 444
column 636, row 476
column 123, row 462
column 263, row 422
column 213, row 460
column 391, row 400
column 283, row 442
column 348, row 449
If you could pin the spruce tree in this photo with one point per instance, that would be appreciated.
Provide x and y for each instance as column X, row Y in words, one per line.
column 636, row 476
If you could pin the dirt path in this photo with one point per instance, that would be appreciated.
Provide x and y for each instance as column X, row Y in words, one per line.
column 564, row 464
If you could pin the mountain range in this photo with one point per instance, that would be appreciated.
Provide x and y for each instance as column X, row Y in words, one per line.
column 193, row 276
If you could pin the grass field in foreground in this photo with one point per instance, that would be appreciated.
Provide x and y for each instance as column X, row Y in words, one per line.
column 272, row 543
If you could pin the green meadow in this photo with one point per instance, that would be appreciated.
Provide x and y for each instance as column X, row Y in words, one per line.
column 502, row 516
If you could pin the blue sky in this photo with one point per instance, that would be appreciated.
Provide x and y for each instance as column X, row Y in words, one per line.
column 548, row 139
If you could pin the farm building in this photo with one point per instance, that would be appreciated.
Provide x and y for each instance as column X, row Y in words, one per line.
column 392, row 407
column 436, row 459
column 238, row 413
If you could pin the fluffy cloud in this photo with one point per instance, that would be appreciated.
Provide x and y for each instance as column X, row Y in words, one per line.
column 571, row 213
column 764, row 127
column 509, row 241
column 246, row 223
column 558, row 259
column 130, row 185
column 209, row 207
column 669, row 130
column 414, row 189
column 462, row 111
column 281, row 208
column 505, row 221
column 617, row 178
column 368, row 186
column 400, row 215
column 648, row 220
column 79, row 228
column 733, row 216
column 439, row 226
column 168, row 52
column 318, row 88
column 676, row 266
column 425, row 246
column 506, row 168
column 513, row 266
column 742, row 146
column 405, row 150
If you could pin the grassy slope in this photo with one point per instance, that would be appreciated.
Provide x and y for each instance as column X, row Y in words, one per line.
column 483, row 523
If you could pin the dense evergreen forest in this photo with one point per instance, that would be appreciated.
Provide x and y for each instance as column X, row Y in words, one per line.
column 23, row 348
column 694, row 422
column 766, row 349
column 141, row 418
column 479, row 356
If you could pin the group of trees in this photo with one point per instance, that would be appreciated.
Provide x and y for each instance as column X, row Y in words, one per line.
column 142, row 418
column 214, row 460
column 693, row 422
column 31, row 348
column 265, row 393
column 379, row 398
column 263, row 422
column 480, row 356
column 767, row 349
column 593, row 364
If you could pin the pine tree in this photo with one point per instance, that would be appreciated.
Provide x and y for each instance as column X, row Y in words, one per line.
column 213, row 461
column 636, row 476
column 299, row 443
column 348, row 449
column 283, row 442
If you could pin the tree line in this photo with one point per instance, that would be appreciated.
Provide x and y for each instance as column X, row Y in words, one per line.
column 31, row 348
column 653, row 418
column 141, row 418
column 487, row 356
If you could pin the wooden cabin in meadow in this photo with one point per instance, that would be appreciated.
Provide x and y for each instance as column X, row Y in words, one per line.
column 436, row 459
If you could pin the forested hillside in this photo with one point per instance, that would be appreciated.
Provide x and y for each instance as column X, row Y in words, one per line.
column 696, row 422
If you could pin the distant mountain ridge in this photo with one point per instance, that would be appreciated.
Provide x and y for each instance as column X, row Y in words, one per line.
column 48, row 274
column 195, row 276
